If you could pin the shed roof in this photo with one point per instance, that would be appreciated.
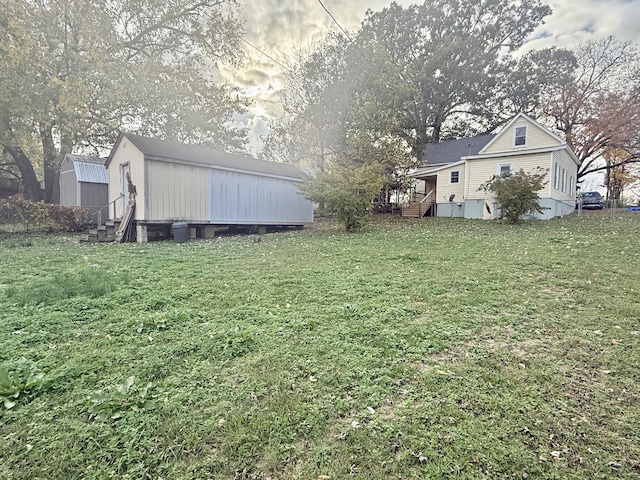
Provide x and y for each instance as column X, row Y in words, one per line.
column 167, row 150
column 89, row 169
column 451, row 151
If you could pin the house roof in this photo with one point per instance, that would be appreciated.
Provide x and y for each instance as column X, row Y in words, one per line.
column 451, row 151
column 89, row 169
column 166, row 150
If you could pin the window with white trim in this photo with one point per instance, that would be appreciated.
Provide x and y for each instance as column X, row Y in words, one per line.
column 564, row 180
column 556, row 175
column 454, row 176
column 520, row 136
column 504, row 168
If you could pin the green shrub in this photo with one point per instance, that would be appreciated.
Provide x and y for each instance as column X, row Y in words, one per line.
column 18, row 210
column 347, row 191
column 517, row 193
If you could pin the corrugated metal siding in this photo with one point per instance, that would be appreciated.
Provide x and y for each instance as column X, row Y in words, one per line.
column 91, row 172
column 177, row 192
column 481, row 170
column 252, row 199
column 536, row 138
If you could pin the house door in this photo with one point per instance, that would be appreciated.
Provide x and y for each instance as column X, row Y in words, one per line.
column 124, row 189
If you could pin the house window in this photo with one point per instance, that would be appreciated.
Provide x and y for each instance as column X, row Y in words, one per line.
column 564, row 180
column 520, row 138
column 572, row 188
column 504, row 168
column 454, row 177
column 556, row 175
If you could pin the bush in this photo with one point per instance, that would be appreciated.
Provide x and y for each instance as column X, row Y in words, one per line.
column 347, row 191
column 517, row 193
column 67, row 219
column 17, row 210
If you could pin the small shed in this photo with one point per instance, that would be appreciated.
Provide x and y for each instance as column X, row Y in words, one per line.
column 202, row 186
column 84, row 182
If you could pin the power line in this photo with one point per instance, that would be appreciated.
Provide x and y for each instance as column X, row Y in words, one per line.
column 335, row 21
column 263, row 53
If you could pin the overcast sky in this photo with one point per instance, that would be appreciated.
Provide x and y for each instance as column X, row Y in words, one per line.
column 279, row 27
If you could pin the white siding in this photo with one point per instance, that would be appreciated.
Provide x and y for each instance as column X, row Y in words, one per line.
column 126, row 153
column 446, row 188
column 481, row 170
column 251, row 199
column 537, row 137
column 68, row 185
column 558, row 189
column 177, row 192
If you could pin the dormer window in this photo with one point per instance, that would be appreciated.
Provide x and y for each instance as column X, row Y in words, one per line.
column 520, row 137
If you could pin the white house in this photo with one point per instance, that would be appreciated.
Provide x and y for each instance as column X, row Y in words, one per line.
column 448, row 181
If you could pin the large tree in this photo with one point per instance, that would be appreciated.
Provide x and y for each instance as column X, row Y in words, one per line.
column 74, row 72
column 598, row 109
column 456, row 55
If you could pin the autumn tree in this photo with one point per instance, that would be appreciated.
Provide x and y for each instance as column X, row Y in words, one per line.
column 598, row 109
column 74, row 72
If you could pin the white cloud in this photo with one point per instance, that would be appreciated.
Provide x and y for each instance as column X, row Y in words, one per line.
column 279, row 28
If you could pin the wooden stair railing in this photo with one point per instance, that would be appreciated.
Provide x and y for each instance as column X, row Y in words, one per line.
column 127, row 221
column 418, row 209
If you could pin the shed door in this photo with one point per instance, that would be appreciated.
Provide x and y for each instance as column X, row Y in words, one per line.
column 124, row 188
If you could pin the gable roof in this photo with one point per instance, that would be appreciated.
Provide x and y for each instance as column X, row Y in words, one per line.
column 89, row 169
column 451, row 151
column 507, row 127
column 165, row 150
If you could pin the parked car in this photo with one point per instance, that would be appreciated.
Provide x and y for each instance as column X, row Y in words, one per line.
column 592, row 200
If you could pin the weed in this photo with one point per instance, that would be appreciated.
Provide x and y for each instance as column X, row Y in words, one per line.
column 19, row 384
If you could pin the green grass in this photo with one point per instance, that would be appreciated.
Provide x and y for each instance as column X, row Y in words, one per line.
column 438, row 348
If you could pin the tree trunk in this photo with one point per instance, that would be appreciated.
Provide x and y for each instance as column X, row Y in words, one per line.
column 51, row 165
column 32, row 190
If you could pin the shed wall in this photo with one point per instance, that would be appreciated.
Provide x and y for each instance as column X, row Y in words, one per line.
column 177, row 192
column 68, row 186
column 126, row 153
column 93, row 196
column 240, row 198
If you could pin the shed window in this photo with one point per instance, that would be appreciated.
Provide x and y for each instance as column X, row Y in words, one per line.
column 520, row 138
column 454, row 177
column 504, row 168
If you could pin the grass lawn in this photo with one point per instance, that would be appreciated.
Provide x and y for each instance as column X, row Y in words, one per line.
column 439, row 348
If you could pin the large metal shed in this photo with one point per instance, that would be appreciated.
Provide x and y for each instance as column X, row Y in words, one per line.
column 84, row 182
column 201, row 186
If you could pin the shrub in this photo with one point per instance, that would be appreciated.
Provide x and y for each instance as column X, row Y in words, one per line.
column 517, row 193
column 347, row 191
column 17, row 210
column 67, row 219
